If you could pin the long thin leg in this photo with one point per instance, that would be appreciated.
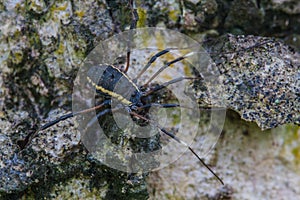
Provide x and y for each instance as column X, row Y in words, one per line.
column 152, row 60
column 167, row 105
column 159, row 87
column 170, row 105
column 179, row 141
column 72, row 114
column 167, row 65
column 25, row 142
column 61, row 118
column 135, row 18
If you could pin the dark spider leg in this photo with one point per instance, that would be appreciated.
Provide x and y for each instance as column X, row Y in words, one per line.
column 170, row 105
column 174, row 105
column 179, row 141
column 166, row 66
column 152, row 60
column 159, row 87
column 167, row 105
column 72, row 114
column 135, row 18
column 23, row 143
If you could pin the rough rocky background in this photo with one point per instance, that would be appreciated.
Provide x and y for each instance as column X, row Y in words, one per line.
column 42, row 44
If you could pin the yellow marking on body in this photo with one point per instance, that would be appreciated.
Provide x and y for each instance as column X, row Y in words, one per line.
column 110, row 93
column 132, row 83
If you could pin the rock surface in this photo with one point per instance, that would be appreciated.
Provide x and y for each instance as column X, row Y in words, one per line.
column 42, row 44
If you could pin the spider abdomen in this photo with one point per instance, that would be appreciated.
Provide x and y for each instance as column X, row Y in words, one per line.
column 110, row 81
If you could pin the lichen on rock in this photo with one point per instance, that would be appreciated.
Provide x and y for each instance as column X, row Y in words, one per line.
column 259, row 78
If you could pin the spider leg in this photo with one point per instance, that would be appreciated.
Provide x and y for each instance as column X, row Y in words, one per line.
column 134, row 13
column 167, row 65
column 72, row 114
column 179, row 141
column 159, row 87
column 195, row 154
column 61, row 118
column 152, row 60
column 135, row 18
column 167, row 105
column 25, row 142
column 170, row 105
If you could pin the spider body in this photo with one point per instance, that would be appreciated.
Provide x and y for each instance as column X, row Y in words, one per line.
column 111, row 82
